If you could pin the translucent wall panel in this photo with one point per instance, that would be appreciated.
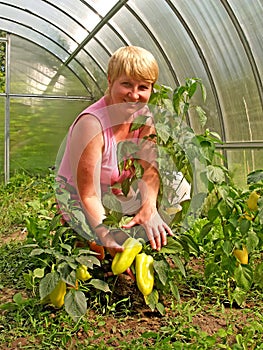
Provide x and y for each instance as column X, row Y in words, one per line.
column 250, row 19
column 35, row 71
column 37, row 128
column 228, row 62
column 241, row 162
column 137, row 35
column 179, row 48
column 110, row 42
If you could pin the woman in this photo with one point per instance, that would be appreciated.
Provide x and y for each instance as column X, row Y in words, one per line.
column 90, row 160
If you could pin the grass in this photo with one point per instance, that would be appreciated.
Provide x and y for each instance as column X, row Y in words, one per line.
column 201, row 320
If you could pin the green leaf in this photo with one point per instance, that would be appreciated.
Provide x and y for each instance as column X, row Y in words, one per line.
column 67, row 247
column 89, row 260
column 252, row 241
column 227, row 247
column 239, row 295
column 192, row 87
column 75, row 304
column 37, row 251
column 162, row 269
column 48, row 283
column 179, row 264
column 189, row 244
column 152, row 299
column 205, row 230
column 245, row 226
column 67, row 274
column 99, row 284
column 202, row 115
column 125, row 186
column 258, row 275
column 18, row 299
column 243, row 276
column 139, row 122
column 160, row 307
column 39, row 273
column 175, row 291
column 173, row 246
column 163, row 131
column 210, row 269
column 215, row 174
column 255, row 176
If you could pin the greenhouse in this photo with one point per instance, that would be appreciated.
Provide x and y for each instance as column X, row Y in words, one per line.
column 207, row 108
column 56, row 61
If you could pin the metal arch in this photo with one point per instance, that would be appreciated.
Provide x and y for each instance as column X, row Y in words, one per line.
column 109, row 25
column 7, row 111
column 76, row 21
column 205, row 64
column 246, row 47
column 97, row 28
column 54, row 25
column 52, row 53
column 91, row 35
column 165, row 56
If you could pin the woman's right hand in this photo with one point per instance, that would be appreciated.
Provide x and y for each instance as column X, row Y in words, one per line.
column 112, row 240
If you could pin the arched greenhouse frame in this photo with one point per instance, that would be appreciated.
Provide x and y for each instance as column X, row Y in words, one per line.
column 142, row 226
column 54, row 56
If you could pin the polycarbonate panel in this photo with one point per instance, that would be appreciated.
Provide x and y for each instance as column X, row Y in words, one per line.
column 37, row 128
column 102, row 6
column 110, row 42
column 35, row 71
column 242, row 162
column 137, row 35
column 41, row 24
column 35, row 38
column 177, row 46
column 86, row 12
column 249, row 15
column 228, row 63
column 74, row 17
column 94, row 80
column 219, row 41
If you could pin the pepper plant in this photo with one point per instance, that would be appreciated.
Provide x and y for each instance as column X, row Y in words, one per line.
column 212, row 225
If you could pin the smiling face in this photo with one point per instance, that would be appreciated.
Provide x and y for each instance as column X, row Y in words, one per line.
column 132, row 72
column 126, row 89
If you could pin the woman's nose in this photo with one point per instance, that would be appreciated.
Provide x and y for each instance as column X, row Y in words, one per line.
column 133, row 95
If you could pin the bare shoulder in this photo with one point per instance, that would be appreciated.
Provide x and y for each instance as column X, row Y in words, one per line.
column 87, row 131
column 87, row 123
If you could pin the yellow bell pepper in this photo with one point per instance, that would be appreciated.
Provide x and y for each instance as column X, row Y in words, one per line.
column 144, row 273
column 82, row 273
column 252, row 201
column 241, row 255
column 123, row 260
column 58, row 294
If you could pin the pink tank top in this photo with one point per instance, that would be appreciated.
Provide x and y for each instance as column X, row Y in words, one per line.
column 109, row 169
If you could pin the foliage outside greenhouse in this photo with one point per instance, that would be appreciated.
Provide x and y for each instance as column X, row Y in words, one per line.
column 219, row 230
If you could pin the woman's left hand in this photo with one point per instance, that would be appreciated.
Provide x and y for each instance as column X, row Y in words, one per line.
column 155, row 228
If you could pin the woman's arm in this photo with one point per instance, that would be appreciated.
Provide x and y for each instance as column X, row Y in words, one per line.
column 86, row 155
column 148, row 216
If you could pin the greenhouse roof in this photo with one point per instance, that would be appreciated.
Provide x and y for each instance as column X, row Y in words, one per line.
column 60, row 48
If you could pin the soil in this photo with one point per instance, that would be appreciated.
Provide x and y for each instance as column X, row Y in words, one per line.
column 115, row 330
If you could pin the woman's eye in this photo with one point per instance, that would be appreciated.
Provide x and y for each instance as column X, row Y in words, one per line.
column 144, row 87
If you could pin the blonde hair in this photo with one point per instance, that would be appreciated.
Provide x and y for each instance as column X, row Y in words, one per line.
column 135, row 62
